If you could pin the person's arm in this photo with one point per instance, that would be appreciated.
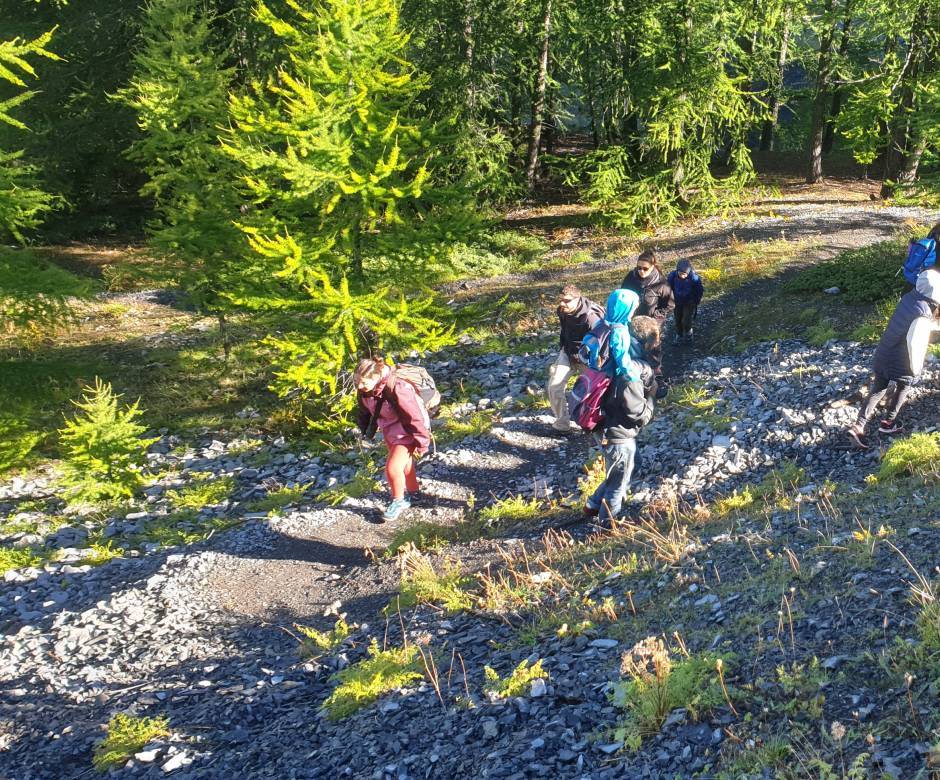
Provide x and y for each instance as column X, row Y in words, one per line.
column 668, row 302
column 918, row 339
column 699, row 291
column 410, row 413
column 363, row 415
column 561, row 330
column 637, row 405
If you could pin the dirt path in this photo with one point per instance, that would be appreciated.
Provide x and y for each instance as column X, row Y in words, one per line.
column 311, row 565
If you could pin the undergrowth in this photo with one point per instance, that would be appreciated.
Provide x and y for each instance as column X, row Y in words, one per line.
column 362, row 683
column 127, row 735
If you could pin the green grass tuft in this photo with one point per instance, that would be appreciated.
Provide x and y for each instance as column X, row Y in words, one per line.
column 127, row 735
column 12, row 558
column 318, row 643
column 917, row 455
column 205, row 490
column 361, row 684
column 517, row 684
column 278, row 499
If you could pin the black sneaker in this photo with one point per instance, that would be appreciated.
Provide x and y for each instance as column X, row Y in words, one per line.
column 890, row 427
column 416, row 496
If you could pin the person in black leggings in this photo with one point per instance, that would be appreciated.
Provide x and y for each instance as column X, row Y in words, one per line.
column 900, row 355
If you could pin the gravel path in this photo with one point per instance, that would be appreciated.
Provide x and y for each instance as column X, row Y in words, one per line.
column 195, row 633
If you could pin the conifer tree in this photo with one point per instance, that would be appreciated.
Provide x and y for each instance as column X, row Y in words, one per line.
column 103, row 447
column 347, row 203
column 180, row 93
column 22, row 204
column 338, row 155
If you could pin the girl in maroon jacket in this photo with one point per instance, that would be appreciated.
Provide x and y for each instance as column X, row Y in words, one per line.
column 393, row 406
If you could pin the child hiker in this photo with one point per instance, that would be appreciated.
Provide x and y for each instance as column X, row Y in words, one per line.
column 576, row 316
column 627, row 407
column 900, row 354
column 395, row 407
column 687, row 289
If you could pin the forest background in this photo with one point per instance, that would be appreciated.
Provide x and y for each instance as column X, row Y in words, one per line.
column 319, row 169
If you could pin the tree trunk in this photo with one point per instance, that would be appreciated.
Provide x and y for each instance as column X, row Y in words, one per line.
column 829, row 134
column 468, row 56
column 817, row 128
column 538, row 104
column 770, row 125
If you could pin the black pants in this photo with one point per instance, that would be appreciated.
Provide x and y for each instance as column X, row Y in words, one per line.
column 685, row 313
column 879, row 387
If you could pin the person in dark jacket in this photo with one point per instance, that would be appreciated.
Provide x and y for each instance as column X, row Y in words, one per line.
column 647, row 281
column 628, row 406
column 576, row 315
column 687, row 291
column 393, row 406
column 899, row 357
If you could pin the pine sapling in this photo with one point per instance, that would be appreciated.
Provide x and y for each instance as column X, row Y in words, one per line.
column 104, row 448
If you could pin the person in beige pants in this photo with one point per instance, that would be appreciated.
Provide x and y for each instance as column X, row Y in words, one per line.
column 576, row 316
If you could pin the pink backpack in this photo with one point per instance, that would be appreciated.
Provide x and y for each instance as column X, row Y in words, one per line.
column 586, row 397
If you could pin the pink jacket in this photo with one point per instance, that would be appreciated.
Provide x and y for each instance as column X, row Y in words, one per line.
column 403, row 418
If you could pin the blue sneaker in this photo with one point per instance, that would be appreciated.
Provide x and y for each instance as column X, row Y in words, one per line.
column 393, row 510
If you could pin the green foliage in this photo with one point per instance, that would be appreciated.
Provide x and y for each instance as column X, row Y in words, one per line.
column 514, row 509
column 517, row 684
column 100, row 553
column 821, row 332
column 13, row 558
column 802, row 683
column 35, row 293
column 22, row 204
column 424, row 536
column 423, row 583
column 278, row 499
column 595, row 472
column 127, row 735
column 865, row 275
column 873, row 326
column 774, row 489
column 457, row 428
column 205, row 490
column 654, row 684
column 361, row 684
column 318, row 643
column 362, row 483
column 918, row 455
column 179, row 93
column 102, row 448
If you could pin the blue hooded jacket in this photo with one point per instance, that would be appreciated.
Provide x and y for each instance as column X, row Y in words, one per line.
column 688, row 290
column 621, row 306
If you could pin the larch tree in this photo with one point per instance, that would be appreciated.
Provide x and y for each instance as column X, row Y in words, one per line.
column 345, row 203
column 22, row 203
column 180, row 93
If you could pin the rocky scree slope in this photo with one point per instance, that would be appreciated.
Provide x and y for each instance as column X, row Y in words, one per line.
column 162, row 633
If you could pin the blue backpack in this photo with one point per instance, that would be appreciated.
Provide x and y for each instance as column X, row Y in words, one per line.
column 595, row 346
column 921, row 255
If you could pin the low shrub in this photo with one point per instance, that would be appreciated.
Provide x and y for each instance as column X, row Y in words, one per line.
column 362, row 683
column 126, row 735
column 865, row 275
column 917, row 455
column 318, row 643
column 517, row 684
column 205, row 490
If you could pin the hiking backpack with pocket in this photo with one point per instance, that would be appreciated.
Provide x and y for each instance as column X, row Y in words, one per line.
column 921, row 255
column 586, row 398
column 595, row 346
column 423, row 383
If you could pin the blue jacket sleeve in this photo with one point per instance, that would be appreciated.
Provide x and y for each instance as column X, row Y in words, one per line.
column 699, row 290
column 624, row 365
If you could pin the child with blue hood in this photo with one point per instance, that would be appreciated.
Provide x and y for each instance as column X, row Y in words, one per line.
column 687, row 289
column 627, row 406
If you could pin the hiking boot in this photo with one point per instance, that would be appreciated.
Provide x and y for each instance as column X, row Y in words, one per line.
column 590, row 511
column 858, row 437
column 393, row 510
column 415, row 496
column 890, row 427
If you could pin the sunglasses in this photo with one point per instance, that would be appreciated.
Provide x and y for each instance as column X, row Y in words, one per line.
column 644, row 268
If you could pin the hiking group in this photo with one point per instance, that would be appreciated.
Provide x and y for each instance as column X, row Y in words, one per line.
column 616, row 352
